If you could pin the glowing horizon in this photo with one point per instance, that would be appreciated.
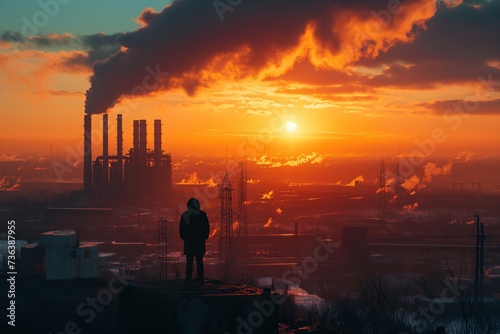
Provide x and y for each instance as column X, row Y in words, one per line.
column 385, row 99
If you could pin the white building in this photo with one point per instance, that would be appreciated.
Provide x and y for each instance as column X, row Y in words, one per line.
column 66, row 257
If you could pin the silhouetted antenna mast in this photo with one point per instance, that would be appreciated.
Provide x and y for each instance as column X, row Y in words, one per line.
column 479, row 274
column 226, row 243
column 162, row 250
column 382, row 185
column 242, row 231
column 397, row 185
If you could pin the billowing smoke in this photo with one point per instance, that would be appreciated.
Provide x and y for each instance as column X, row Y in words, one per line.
column 267, row 195
column 292, row 161
column 213, row 233
column 411, row 184
column 410, row 207
column 389, row 184
column 10, row 183
column 11, row 157
column 464, row 156
column 431, row 170
column 354, row 182
column 193, row 179
column 190, row 44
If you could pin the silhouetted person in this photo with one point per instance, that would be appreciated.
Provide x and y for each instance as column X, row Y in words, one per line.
column 194, row 229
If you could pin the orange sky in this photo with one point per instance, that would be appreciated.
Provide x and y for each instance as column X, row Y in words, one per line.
column 359, row 99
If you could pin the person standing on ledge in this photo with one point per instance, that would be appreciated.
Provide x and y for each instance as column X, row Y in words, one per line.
column 194, row 230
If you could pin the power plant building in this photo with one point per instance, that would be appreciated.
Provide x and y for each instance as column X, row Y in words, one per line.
column 142, row 174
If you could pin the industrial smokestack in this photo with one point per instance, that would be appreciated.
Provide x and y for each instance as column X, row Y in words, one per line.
column 136, row 139
column 87, row 155
column 157, row 136
column 119, row 147
column 105, row 153
column 143, row 142
column 159, row 187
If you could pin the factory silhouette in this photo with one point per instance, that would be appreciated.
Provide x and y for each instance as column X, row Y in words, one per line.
column 140, row 175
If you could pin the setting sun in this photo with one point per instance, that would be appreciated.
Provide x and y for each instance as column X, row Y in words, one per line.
column 291, row 126
column 311, row 148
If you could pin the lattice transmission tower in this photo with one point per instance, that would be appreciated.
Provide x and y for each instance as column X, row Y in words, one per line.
column 397, row 187
column 226, row 238
column 162, row 232
column 382, row 183
column 242, row 231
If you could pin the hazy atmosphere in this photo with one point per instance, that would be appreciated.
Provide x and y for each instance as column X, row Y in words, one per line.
column 346, row 154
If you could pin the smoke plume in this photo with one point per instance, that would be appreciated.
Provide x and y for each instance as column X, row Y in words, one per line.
column 353, row 182
column 431, row 170
column 267, row 195
column 189, row 45
column 410, row 207
column 193, row 179
column 411, row 184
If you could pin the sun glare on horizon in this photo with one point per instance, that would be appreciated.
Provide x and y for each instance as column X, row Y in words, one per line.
column 291, row 126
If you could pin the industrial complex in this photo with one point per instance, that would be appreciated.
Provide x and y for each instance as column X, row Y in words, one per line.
column 140, row 174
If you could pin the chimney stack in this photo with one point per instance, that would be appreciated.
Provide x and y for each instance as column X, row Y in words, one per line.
column 87, row 155
column 157, row 144
column 136, row 140
column 143, row 142
column 158, row 170
column 105, row 153
column 119, row 147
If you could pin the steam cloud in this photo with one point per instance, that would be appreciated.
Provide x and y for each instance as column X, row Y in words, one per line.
column 291, row 161
column 353, row 182
column 10, row 183
column 187, row 46
column 267, row 195
column 410, row 207
column 213, row 233
column 194, row 179
column 411, row 184
column 431, row 170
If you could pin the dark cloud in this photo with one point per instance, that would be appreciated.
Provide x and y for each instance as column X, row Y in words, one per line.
column 12, row 37
column 187, row 40
column 456, row 47
column 64, row 93
column 96, row 47
column 472, row 107
column 40, row 42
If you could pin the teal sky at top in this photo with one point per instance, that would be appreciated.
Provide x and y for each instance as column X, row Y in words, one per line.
column 80, row 17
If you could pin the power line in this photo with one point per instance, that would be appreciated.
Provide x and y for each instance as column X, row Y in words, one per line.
column 425, row 238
